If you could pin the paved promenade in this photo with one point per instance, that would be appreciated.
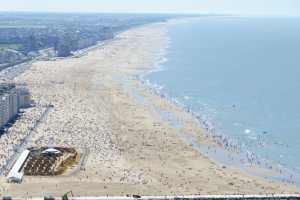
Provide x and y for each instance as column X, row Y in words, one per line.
column 197, row 197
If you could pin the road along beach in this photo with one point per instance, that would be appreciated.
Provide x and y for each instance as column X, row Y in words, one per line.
column 101, row 105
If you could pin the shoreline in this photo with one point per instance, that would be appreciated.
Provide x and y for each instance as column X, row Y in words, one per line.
column 235, row 155
column 265, row 169
column 140, row 153
column 223, row 151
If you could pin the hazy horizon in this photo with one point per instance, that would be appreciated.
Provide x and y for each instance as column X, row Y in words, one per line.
column 233, row 7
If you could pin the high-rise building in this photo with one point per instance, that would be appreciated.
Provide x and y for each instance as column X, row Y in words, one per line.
column 4, row 109
column 13, row 103
column 12, row 99
column 24, row 98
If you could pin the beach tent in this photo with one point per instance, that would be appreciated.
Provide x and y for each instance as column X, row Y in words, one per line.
column 51, row 151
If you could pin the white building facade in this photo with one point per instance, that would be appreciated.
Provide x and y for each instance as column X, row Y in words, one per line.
column 12, row 99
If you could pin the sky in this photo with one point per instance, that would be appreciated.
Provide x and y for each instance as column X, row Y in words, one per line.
column 240, row 7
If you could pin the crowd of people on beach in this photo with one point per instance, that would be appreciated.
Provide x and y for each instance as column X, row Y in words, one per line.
column 79, row 126
column 240, row 151
column 15, row 135
column 233, row 149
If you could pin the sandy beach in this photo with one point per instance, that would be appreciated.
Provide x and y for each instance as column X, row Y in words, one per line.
column 102, row 109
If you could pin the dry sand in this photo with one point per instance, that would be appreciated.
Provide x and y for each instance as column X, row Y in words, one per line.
column 132, row 150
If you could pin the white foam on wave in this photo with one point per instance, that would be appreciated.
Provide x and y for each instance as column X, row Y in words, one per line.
column 187, row 97
column 252, row 137
column 247, row 131
column 158, row 64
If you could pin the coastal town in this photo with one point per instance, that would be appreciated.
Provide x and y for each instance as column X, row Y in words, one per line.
column 79, row 119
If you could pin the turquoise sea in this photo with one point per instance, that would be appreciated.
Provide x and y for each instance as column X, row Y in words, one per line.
column 241, row 77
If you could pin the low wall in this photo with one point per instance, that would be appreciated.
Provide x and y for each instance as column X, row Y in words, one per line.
column 198, row 197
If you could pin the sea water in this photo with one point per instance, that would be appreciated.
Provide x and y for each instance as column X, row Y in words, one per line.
column 242, row 75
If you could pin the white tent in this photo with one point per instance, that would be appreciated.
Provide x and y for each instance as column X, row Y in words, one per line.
column 51, row 151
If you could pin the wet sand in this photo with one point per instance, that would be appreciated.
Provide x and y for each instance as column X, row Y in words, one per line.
column 132, row 148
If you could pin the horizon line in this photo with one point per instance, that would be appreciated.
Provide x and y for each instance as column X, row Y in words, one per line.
column 149, row 13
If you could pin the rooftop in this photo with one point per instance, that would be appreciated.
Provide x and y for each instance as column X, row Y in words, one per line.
column 6, row 87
